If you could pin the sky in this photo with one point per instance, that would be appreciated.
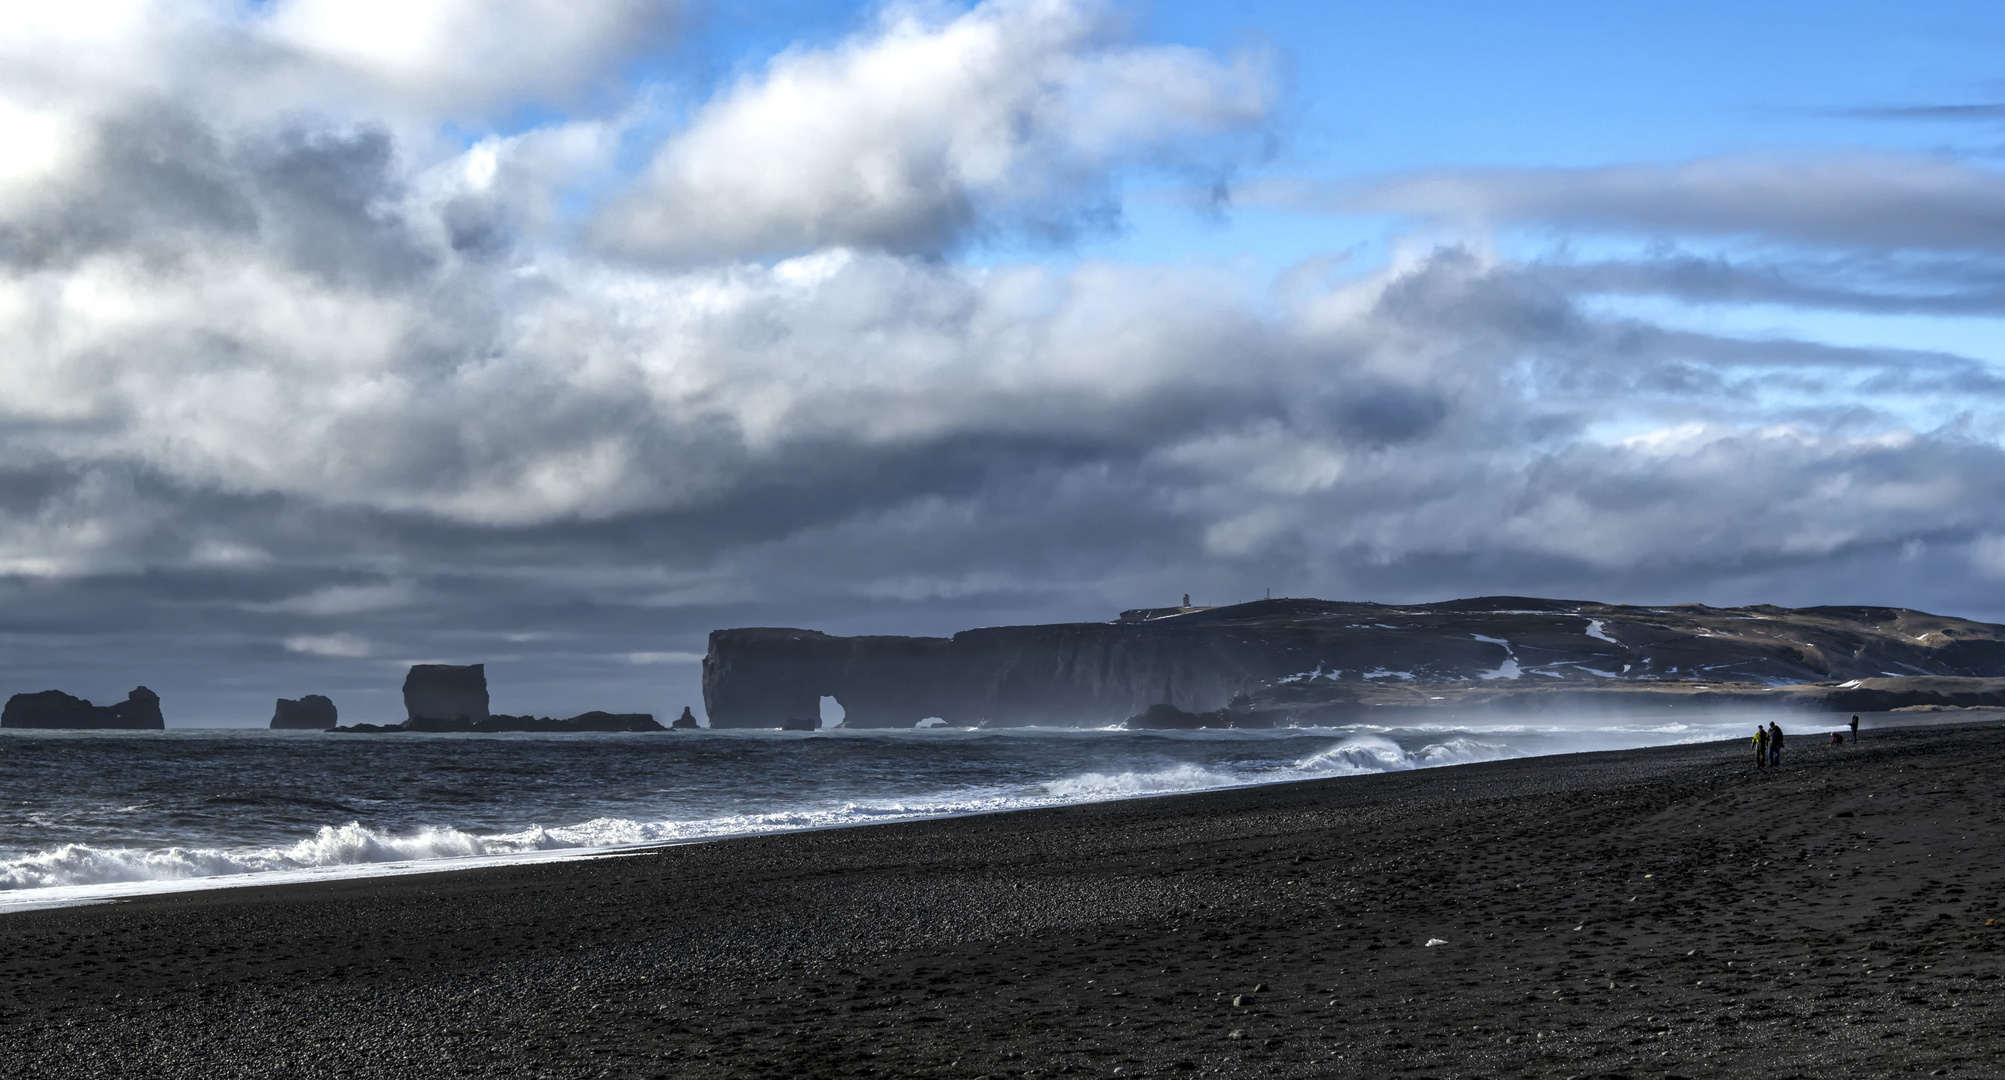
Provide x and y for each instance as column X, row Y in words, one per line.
column 337, row 335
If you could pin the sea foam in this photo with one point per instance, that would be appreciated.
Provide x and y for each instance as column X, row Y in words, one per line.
column 344, row 845
column 975, row 774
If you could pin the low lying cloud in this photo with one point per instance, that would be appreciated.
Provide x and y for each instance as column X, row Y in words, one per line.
column 1883, row 201
column 344, row 600
column 344, row 646
column 665, row 658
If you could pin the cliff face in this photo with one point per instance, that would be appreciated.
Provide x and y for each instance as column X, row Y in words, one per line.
column 54, row 709
column 1303, row 660
column 314, row 712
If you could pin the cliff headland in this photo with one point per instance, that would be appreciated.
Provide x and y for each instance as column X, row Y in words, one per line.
column 1278, row 662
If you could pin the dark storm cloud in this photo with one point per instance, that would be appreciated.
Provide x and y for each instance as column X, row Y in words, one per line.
column 156, row 179
column 333, row 199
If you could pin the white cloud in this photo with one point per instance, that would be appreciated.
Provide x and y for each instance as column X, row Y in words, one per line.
column 345, row 600
column 664, row 658
column 912, row 136
column 455, row 53
column 339, row 646
column 40, row 145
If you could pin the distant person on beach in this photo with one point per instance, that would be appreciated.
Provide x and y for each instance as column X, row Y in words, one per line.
column 1186, row 599
column 1837, row 738
column 1760, row 746
column 1774, row 743
column 1855, row 727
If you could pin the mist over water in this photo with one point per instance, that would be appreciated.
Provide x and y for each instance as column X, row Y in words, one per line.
column 94, row 814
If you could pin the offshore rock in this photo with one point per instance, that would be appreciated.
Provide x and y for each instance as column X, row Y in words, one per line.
column 54, row 709
column 498, row 722
column 314, row 712
column 1319, row 661
column 446, row 692
column 686, row 721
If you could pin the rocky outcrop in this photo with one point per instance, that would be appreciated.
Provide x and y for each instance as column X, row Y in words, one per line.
column 54, row 709
column 448, row 698
column 1307, row 661
column 446, row 692
column 685, row 722
column 499, row 722
column 1161, row 717
column 314, row 712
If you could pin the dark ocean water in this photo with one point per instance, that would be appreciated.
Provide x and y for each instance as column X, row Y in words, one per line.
column 86, row 814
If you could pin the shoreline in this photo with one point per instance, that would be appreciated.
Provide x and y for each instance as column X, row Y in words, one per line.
column 109, row 892
column 1660, row 911
column 1499, row 718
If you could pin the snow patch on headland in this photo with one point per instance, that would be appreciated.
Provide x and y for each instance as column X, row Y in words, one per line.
column 1506, row 670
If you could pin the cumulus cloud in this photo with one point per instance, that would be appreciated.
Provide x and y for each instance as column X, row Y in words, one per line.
column 460, row 54
column 304, row 383
column 908, row 138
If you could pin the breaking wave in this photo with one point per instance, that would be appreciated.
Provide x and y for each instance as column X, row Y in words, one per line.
column 828, row 783
column 1372, row 753
column 1094, row 786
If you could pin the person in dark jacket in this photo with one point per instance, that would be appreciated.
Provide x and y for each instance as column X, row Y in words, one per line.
column 1774, row 743
column 1855, row 727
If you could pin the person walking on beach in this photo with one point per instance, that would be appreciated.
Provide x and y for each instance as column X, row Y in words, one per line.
column 1760, row 746
column 1855, row 729
column 1774, row 743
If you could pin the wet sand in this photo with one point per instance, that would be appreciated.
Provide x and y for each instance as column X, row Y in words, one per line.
column 1653, row 913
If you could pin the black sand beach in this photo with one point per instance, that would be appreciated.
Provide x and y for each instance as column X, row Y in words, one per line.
column 1654, row 913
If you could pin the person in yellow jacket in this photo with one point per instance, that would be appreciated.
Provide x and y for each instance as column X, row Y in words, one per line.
column 1760, row 746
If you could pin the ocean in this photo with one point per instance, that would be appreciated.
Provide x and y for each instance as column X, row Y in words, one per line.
column 90, row 816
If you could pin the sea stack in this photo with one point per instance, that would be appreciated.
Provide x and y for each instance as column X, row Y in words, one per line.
column 314, row 712
column 686, row 721
column 140, row 711
column 446, row 691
